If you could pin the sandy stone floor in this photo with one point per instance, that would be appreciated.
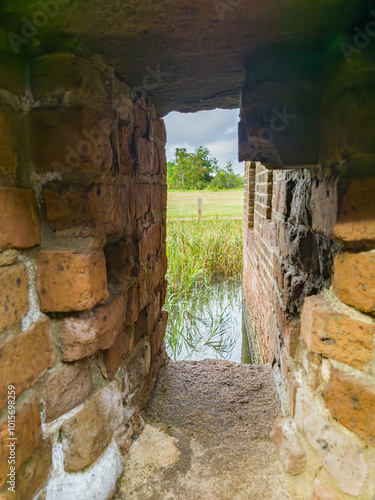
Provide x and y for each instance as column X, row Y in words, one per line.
column 206, row 436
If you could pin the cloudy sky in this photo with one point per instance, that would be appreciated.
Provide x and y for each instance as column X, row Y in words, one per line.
column 215, row 130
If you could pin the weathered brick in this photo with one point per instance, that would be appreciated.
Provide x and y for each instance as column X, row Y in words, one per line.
column 8, row 141
column 312, row 364
column 158, row 198
column 73, row 80
column 289, row 380
column 351, row 403
column 83, row 334
column 157, row 336
column 86, row 434
column 133, row 308
column 341, row 456
column 322, row 491
column 67, row 141
column 118, row 352
column 153, row 311
column 122, row 260
column 291, row 335
column 137, row 368
column 356, row 211
column 147, row 155
column 19, row 220
column 90, row 211
column 14, row 295
column 32, row 475
column 337, row 335
column 33, row 351
column 71, row 281
column 67, row 387
column 8, row 257
column 289, row 448
column 353, row 279
column 142, row 199
column 28, row 433
column 150, row 242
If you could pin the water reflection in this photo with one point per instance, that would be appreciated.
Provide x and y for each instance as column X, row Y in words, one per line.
column 210, row 323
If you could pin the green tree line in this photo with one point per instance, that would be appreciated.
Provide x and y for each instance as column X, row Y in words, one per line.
column 199, row 170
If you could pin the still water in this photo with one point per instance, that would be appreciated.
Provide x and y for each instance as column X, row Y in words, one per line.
column 211, row 323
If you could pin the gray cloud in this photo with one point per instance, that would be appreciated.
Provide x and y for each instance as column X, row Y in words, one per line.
column 216, row 130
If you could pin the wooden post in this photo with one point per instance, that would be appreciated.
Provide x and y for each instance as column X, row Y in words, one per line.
column 199, row 208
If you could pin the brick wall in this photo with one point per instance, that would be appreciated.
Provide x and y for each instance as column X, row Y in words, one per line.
column 82, row 265
column 309, row 276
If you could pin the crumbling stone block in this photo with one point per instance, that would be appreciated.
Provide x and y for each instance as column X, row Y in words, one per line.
column 87, row 433
column 354, row 279
column 289, row 448
column 83, row 334
column 19, row 219
column 29, row 434
column 59, row 288
column 25, row 358
column 14, row 295
column 352, row 403
column 337, row 335
column 67, row 387
column 341, row 456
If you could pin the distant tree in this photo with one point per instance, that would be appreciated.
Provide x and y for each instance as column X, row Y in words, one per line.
column 226, row 178
column 191, row 170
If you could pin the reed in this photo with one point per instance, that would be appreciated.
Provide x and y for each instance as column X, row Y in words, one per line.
column 200, row 253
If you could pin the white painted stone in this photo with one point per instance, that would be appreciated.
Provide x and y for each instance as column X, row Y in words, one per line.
column 340, row 454
column 34, row 314
column 288, row 446
column 97, row 482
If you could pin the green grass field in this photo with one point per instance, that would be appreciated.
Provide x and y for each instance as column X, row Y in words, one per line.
column 222, row 203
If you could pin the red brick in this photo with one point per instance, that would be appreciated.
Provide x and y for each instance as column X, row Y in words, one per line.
column 71, row 140
column 133, row 308
column 352, row 404
column 157, row 336
column 291, row 335
column 356, row 213
column 354, row 279
column 71, row 281
column 158, row 198
column 336, row 335
column 122, row 260
column 19, row 220
column 142, row 199
column 150, row 242
column 86, row 435
column 83, row 334
column 120, row 350
column 67, row 387
column 90, row 211
column 8, row 141
column 28, row 433
column 14, row 295
column 33, row 351
column 74, row 80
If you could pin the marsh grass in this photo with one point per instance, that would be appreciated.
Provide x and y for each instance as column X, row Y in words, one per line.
column 201, row 253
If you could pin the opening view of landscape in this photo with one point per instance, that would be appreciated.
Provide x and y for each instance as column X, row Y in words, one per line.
column 204, row 238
